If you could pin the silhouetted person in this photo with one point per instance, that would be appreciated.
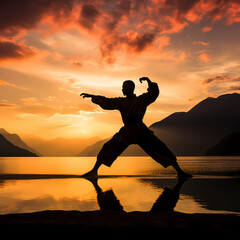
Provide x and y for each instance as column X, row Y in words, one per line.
column 134, row 131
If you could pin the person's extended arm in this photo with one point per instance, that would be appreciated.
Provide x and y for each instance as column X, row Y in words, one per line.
column 86, row 95
column 103, row 102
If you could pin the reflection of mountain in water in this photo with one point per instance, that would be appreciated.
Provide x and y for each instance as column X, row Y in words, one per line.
column 215, row 194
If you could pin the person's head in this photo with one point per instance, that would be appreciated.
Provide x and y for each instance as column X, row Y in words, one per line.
column 128, row 87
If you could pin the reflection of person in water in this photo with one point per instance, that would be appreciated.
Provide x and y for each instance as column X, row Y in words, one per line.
column 134, row 131
column 106, row 200
column 167, row 201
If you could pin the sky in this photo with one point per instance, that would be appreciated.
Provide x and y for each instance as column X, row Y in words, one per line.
column 53, row 50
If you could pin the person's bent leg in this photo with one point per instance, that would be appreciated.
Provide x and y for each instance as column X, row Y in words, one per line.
column 107, row 155
column 156, row 149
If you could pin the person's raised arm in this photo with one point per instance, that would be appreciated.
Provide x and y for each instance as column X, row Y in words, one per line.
column 153, row 90
column 145, row 79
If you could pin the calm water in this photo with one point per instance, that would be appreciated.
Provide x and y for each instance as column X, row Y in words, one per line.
column 132, row 183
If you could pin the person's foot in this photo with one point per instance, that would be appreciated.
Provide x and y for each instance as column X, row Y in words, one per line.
column 90, row 175
column 183, row 175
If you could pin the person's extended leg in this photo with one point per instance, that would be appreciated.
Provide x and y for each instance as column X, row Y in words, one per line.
column 180, row 172
column 107, row 155
column 156, row 149
column 94, row 172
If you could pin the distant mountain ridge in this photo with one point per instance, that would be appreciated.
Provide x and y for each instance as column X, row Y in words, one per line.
column 17, row 141
column 7, row 149
column 193, row 132
column 59, row 147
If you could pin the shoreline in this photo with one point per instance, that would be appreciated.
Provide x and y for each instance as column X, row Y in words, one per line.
column 168, row 223
column 10, row 176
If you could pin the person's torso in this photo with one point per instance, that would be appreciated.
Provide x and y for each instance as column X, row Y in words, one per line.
column 132, row 109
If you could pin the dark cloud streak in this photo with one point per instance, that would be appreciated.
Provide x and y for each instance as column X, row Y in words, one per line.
column 10, row 50
column 221, row 78
column 182, row 7
column 89, row 15
column 16, row 15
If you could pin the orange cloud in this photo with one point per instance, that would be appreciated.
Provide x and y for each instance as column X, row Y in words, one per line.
column 6, row 83
column 207, row 29
column 201, row 43
column 228, row 9
column 204, row 57
column 233, row 13
column 30, row 101
column 32, row 105
column 120, row 25
column 39, row 110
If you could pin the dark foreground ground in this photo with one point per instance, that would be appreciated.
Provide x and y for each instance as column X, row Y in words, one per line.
column 119, row 224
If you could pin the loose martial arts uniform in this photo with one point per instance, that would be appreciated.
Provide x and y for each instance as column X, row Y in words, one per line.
column 134, row 131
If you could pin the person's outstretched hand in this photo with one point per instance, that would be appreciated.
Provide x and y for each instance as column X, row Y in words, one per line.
column 144, row 79
column 86, row 95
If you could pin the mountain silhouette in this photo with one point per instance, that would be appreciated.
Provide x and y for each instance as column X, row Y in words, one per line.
column 7, row 149
column 59, row 147
column 92, row 150
column 228, row 146
column 17, row 141
column 193, row 132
